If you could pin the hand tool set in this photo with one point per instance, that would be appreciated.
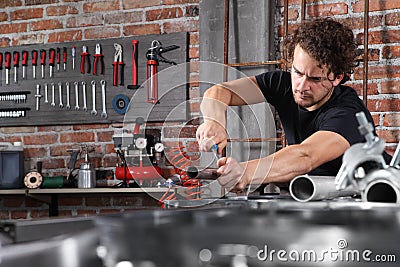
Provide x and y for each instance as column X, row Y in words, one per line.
column 45, row 84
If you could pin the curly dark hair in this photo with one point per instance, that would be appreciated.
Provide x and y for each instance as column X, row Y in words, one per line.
column 329, row 42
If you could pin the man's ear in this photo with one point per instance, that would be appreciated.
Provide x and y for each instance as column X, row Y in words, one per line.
column 338, row 79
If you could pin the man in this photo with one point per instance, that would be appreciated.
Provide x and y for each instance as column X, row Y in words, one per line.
column 316, row 110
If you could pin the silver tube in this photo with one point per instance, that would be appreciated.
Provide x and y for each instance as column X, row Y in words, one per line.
column 382, row 186
column 306, row 188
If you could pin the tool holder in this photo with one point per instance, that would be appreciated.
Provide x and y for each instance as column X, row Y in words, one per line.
column 25, row 103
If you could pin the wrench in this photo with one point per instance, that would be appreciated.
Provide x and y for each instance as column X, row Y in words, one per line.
column 60, row 93
column 93, row 112
column 68, row 106
column 84, row 96
column 46, row 88
column 103, row 98
column 76, row 95
column 53, row 103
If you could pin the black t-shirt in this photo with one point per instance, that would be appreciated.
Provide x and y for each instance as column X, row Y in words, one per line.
column 336, row 115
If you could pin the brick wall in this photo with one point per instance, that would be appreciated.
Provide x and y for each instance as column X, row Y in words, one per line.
column 46, row 21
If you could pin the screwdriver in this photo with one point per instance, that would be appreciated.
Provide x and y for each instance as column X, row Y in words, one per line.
column 24, row 63
column 58, row 58
column 16, row 63
column 52, row 57
column 42, row 60
column 73, row 57
column 1, row 65
column 8, row 66
column 34, row 63
column 64, row 58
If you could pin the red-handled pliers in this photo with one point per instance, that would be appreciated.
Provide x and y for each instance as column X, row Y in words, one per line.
column 85, row 56
column 118, row 64
column 98, row 57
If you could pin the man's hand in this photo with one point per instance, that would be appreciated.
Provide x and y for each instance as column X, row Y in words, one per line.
column 210, row 133
column 232, row 174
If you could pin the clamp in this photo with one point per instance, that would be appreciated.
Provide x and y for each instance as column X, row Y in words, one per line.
column 118, row 65
column 98, row 57
column 85, row 56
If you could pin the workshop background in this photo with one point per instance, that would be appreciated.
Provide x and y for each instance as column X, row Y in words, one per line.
column 24, row 22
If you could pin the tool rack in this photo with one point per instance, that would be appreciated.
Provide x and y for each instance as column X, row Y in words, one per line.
column 18, row 101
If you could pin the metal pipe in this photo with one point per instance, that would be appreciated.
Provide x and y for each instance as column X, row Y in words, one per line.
column 365, row 69
column 252, row 64
column 303, row 10
column 252, row 140
column 306, row 188
column 202, row 174
column 226, row 32
column 382, row 186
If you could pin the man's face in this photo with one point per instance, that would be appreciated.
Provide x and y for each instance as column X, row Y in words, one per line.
column 310, row 84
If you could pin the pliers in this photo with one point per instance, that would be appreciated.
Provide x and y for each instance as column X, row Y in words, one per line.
column 85, row 56
column 98, row 57
column 118, row 61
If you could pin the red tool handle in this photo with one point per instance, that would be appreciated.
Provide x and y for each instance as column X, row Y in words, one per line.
column 115, row 74
column 16, row 58
column 58, row 55
column 24, row 58
column 8, row 60
column 64, row 55
column 42, row 57
column 34, row 57
column 1, row 61
column 135, row 62
column 52, row 56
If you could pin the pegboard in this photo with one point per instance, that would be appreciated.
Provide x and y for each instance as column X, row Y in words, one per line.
column 18, row 100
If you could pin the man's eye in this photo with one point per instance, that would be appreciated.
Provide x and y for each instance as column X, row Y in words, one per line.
column 315, row 79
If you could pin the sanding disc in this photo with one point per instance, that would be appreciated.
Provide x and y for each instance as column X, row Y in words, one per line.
column 120, row 104
column 33, row 180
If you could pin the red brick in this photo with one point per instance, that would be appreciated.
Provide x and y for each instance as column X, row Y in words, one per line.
column 10, row 3
column 109, row 161
column 194, row 107
column 126, row 17
column 97, row 201
column 49, row 24
column 3, row 16
column 84, row 21
column 61, row 10
column 101, row 6
column 390, row 87
column 376, row 119
column 13, row 201
column 13, row 28
column 390, row 52
column 4, row 215
column 39, row 213
column 124, row 201
column 109, row 149
column 28, row 39
column 40, row 2
column 376, row 5
column 105, row 136
column 179, row 132
column 61, row 150
column 131, row 4
column 36, row 152
column 70, row 200
column 390, row 136
column 383, row 105
column 110, row 211
column 391, row 120
column 372, row 88
column 77, row 137
column 144, row 29
column 54, row 163
column 179, row 2
column 327, row 9
column 54, row 128
column 378, row 72
column 40, row 139
column 192, row 11
column 165, row 13
column 19, row 215
column 382, row 37
column 65, row 36
column 24, row 14
column 194, row 52
column 103, row 32
column 80, row 127
column 5, row 42
column 392, row 19
column 181, row 26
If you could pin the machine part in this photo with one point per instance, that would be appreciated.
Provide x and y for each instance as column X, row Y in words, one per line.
column 85, row 57
column 1, row 66
column 38, row 96
column 86, row 173
column 34, row 63
column 73, row 54
column 52, row 58
column 7, row 65
column 53, row 182
column 58, row 58
column 46, row 89
column 24, row 63
column 381, row 185
column 134, row 84
column 306, row 188
column 159, row 147
column 61, row 105
column 141, row 143
column 16, row 65
column 43, row 61
column 68, row 106
column 33, row 180
column 53, row 101
column 98, row 57
column 65, row 58
column 103, row 99
column 205, row 174
column 120, row 104
column 84, row 96
column 94, row 111
column 76, row 84
column 118, row 65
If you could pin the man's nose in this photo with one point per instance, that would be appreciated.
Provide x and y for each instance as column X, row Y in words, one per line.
column 303, row 85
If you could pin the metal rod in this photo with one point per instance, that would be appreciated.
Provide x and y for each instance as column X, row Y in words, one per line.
column 251, row 140
column 365, row 69
column 254, row 63
column 226, row 32
column 303, row 10
column 286, row 30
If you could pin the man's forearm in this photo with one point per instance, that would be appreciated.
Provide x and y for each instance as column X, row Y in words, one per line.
column 214, row 104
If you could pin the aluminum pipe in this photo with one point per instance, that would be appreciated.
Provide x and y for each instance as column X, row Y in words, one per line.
column 382, row 186
column 306, row 188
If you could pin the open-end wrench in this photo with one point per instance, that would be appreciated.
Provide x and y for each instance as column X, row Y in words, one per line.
column 53, row 103
column 38, row 96
column 84, row 96
column 61, row 105
column 46, row 89
column 93, row 112
column 68, row 106
column 76, row 95
column 103, row 98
